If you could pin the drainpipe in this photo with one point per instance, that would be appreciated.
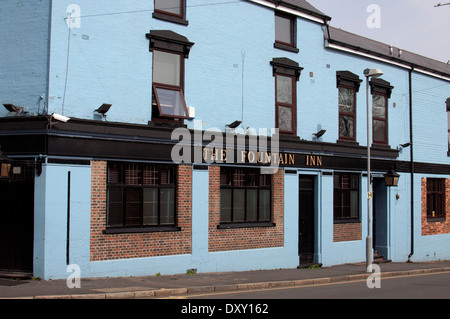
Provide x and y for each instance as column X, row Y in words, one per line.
column 412, row 162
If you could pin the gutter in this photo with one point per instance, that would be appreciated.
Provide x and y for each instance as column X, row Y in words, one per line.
column 412, row 163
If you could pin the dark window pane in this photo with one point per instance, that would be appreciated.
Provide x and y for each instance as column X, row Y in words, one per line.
column 239, row 205
column 132, row 206
column 252, row 205
column 239, row 178
column 264, row 205
column 150, row 207
column 225, row 178
column 167, row 206
column 150, row 175
column 132, row 174
column 115, row 174
column 115, row 207
column 225, row 205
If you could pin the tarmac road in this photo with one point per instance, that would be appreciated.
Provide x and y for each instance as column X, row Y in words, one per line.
column 423, row 286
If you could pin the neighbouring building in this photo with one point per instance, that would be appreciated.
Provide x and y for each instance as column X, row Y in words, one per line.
column 145, row 137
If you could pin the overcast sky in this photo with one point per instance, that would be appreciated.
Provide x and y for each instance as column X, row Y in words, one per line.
column 412, row 25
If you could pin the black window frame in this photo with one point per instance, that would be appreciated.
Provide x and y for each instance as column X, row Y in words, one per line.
column 143, row 178
column 229, row 182
column 436, row 201
column 341, row 193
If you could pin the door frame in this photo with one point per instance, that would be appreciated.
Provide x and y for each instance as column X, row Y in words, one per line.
column 316, row 176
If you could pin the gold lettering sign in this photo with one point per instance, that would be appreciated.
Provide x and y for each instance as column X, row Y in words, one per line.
column 252, row 157
column 314, row 161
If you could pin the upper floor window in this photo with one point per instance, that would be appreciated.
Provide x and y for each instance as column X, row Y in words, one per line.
column 171, row 10
column 285, row 34
column 348, row 85
column 286, row 73
column 169, row 53
column 381, row 92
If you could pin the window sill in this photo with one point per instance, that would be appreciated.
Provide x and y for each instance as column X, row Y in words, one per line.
column 435, row 219
column 161, row 16
column 348, row 142
column 286, row 47
column 347, row 221
column 245, row 225
column 136, row 230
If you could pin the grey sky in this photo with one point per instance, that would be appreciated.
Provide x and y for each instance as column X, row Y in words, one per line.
column 413, row 25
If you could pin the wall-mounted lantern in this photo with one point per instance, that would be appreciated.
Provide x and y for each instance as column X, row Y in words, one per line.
column 391, row 178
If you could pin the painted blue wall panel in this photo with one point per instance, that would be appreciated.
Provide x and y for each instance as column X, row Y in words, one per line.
column 51, row 212
column 24, row 54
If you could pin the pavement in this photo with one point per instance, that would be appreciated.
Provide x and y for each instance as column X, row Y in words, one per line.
column 194, row 284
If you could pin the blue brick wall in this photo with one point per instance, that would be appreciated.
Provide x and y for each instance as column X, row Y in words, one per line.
column 24, row 40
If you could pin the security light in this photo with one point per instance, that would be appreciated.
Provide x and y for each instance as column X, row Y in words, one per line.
column 60, row 117
column 103, row 109
column 234, row 124
column 12, row 108
column 320, row 133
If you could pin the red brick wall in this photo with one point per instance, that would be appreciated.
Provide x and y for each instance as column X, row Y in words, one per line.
column 432, row 226
column 245, row 238
column 124, row 246
column 346, row 232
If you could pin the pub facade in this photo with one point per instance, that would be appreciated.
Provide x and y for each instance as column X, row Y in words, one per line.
column 147, row 138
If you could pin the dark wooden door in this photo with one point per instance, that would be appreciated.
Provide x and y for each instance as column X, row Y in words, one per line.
column 306, row 219
column 16, row 226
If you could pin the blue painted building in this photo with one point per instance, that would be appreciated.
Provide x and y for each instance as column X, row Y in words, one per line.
column 98, row 94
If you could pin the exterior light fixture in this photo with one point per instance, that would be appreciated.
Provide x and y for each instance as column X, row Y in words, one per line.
column 391, row 178
column 234, row 124
column 13, row 109
column 402, row 146
column 320, row 133
column 60, row 117
column 103, row 109
column 369, row 73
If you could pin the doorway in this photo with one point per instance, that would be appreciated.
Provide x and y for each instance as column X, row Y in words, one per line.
column 380, row 224
column 17, row 225
column 307, row 208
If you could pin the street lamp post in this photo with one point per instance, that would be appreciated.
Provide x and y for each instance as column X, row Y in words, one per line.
column 369, row 73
